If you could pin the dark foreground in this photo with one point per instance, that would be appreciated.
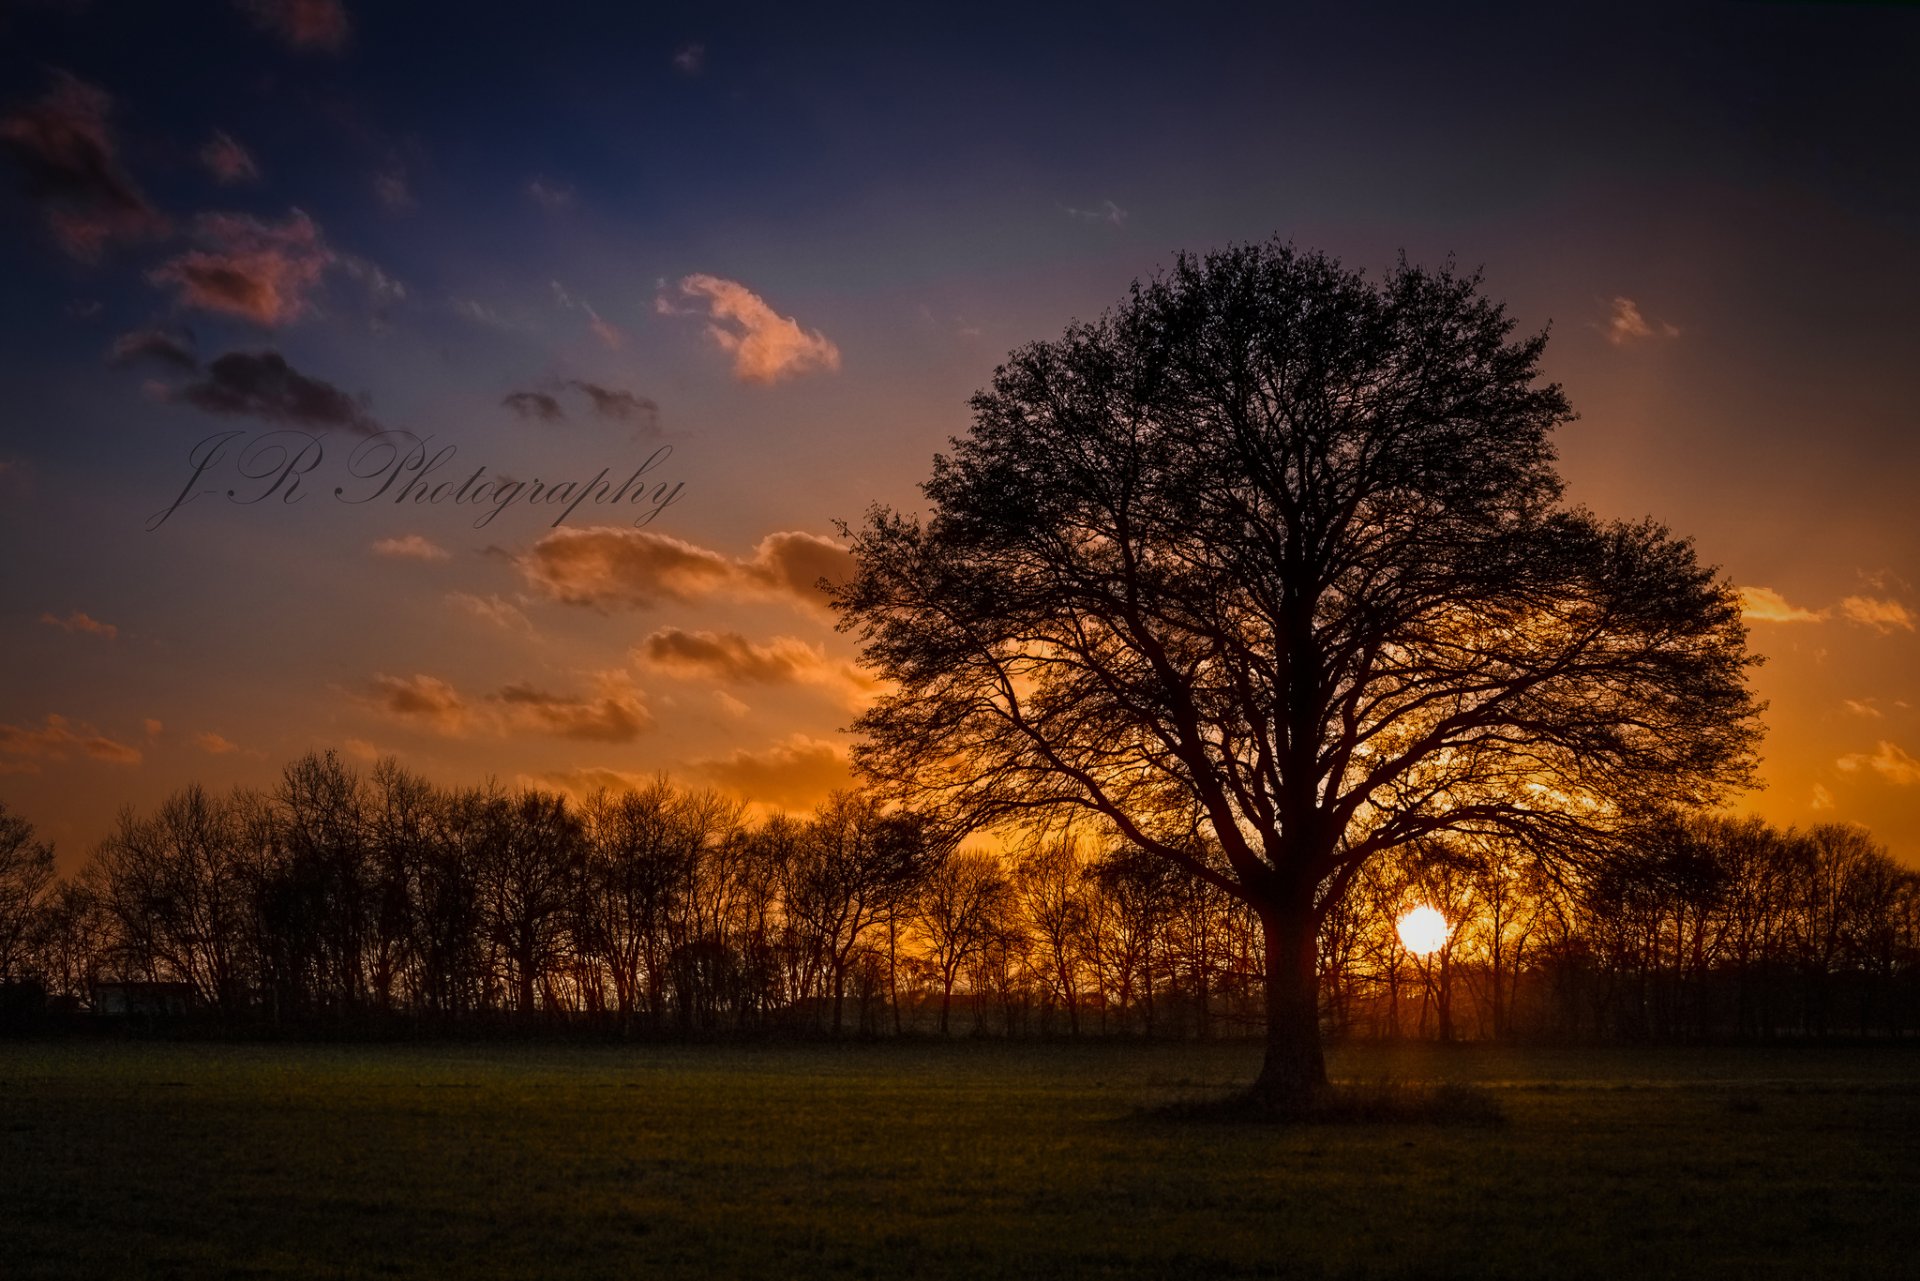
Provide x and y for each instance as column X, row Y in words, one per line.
column 130, row 1160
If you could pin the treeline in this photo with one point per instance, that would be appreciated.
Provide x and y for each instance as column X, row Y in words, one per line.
column 342, row 903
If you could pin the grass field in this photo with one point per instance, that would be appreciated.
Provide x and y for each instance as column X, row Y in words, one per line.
column 911, row 1160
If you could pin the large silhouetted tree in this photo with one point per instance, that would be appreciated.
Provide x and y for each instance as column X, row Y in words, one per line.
column 1282, row 547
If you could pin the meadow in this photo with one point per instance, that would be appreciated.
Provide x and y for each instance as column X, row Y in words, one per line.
column 966, row 1159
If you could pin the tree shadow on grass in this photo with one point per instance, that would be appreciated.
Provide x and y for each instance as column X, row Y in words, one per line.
column 1379, row 1102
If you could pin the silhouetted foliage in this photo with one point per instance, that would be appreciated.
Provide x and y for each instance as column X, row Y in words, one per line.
column 1267, row 569
column 663, row 911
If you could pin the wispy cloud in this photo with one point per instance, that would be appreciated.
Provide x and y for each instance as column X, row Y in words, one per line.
column 59, row 738
column 320, row 25
column 1882, row 614
column 228, row 161
column 766, row 347
column 1888, row 760
column 614, row 712
column 554, row 197
column 79, row 623
column 1108, row 212
column 263, row 385
column 534, row 404
column 690, row 59
column 170, row 347
column 215, row 744
column 411, row 547
column 1765, row 605
column 65, row 148
column 1626, row 325
column 491, row 609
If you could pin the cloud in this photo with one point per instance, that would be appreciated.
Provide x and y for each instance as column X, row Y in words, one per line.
column 636, row 568
column 228, row 161
column 255, row 270
column 1627, row 325
column 304, row 24
column 1822, row 799
column 263, row 385
column 423, row 699
column 1888, row 760
column 605, row 566
column 617, row 713
column 361, row 749
column 77, row 622
column 610, row 402
column 730, row 658
column 67, row 155
column 551, row 196
column 1765, row 605
column 796, row 774
column 391, row 188
column 173, row 347
column 479, row 313
column 1862, row 707
column 534, row 404
column 152, row 726
column 690, row 59
column 607, row 332
column 214, row 744
column 1880, row 614
column 766, row 346
column 491, row 609
column 59, row 737
column 411, row 547
column 1108, row 212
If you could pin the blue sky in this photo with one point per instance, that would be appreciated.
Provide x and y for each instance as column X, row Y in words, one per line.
column 797, row 242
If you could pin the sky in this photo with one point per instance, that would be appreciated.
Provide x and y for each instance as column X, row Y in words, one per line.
column 753, row 262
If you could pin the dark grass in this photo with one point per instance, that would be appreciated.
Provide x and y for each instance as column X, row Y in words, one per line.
column 1378, row 1102
column 194, row 1161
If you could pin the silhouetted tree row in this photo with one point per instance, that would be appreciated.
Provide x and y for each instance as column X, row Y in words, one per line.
column 342, row 902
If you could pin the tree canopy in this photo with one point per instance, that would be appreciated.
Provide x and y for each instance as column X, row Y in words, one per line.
column 1269, row 568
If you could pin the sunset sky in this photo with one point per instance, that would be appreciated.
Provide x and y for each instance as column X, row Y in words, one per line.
column 774, row 254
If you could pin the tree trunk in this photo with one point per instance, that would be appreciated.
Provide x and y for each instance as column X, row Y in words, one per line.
column 1295, row 1069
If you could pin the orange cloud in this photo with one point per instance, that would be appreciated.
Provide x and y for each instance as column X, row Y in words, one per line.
column 411, row 547
column 605, row 566
column 616, row 714
column 730, row 658
column 79, row 622
column 766, row 346
column 1765, row 605
column 214, row 744
column 256, row 270
column 426, row 699
column 58, row 737
column 797, row 773
column 1880, row 614
column 490, row 609
column 1888, row 760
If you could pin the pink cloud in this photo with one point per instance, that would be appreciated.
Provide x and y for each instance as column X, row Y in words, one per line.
column 766, row 346
column 65, row 147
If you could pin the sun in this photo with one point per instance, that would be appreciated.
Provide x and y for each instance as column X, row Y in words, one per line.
column 1423, row 931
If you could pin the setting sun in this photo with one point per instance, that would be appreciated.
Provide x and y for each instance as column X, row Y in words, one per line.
column 1423, row 931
